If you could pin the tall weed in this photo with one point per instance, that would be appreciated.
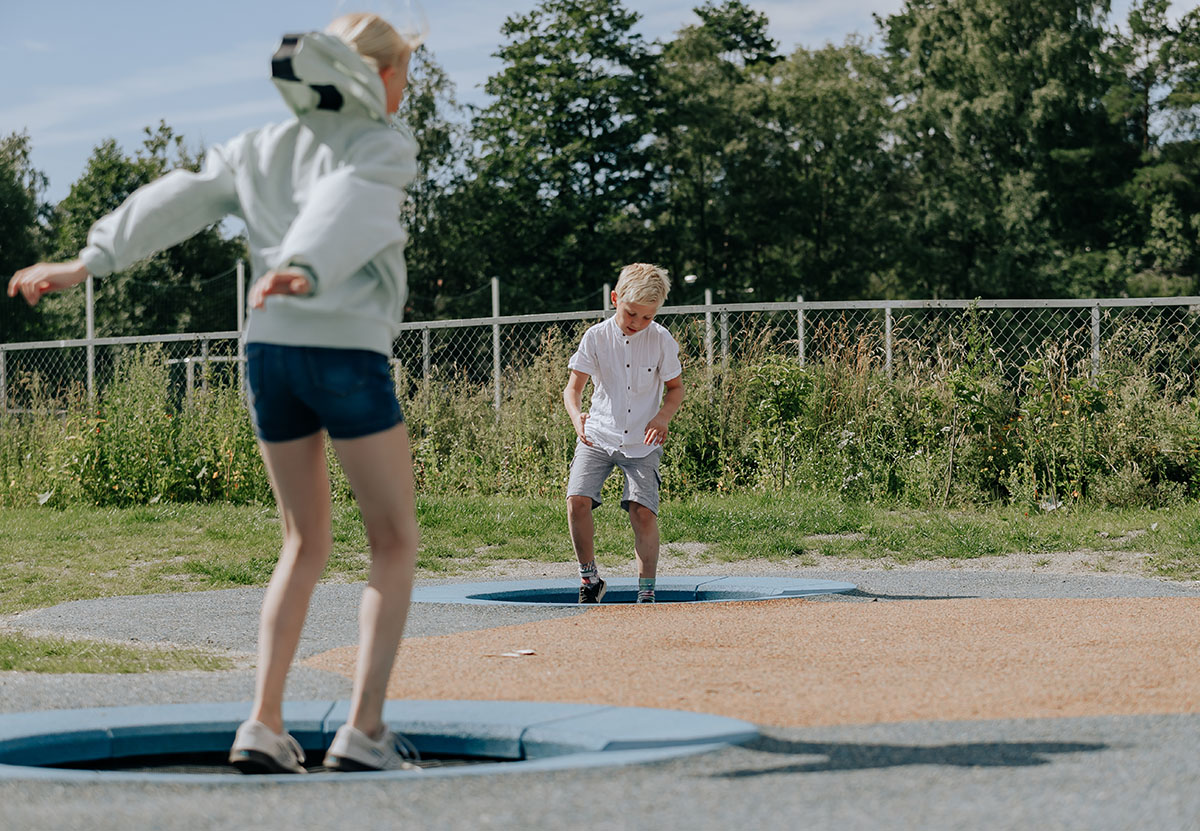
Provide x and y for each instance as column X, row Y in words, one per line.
column 952, row 424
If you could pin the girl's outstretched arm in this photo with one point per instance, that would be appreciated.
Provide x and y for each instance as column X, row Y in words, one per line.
column 43, row 278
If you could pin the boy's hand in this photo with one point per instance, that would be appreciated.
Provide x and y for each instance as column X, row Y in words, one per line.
column 581, row 429
column 656, row 430
column 283, row 281
column 43, row 278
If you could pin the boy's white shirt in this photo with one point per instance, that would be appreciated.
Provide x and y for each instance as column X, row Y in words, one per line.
column 322, row 191
column 628, row 373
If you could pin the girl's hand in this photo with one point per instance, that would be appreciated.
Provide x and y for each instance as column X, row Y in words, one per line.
column 283, row 281
column 43, row 278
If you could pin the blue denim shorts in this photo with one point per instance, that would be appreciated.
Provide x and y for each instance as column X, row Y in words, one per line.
column 296, row 391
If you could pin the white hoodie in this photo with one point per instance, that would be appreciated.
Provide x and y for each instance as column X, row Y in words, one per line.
column 321, row 192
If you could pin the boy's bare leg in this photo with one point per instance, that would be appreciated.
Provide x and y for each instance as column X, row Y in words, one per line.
column 300, row 480
column 379, row 469
column 582, row 527
column 645, row 538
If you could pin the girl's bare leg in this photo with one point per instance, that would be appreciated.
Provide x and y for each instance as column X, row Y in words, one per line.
column 300, row 480
column 379, row 469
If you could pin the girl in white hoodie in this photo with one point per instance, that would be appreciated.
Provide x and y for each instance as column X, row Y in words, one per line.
column 320, row 195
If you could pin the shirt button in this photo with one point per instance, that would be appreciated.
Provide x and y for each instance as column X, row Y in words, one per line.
column 627, row 366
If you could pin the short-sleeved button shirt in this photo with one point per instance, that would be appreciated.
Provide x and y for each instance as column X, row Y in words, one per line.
column 628, row 373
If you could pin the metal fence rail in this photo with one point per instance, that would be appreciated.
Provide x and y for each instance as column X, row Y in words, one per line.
column 918, row 337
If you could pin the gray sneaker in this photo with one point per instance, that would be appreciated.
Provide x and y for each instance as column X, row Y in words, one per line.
column 259, row 749
column 352, row 749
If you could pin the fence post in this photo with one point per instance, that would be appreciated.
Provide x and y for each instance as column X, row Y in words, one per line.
column 607, row 297
column 708, row 328
column 90, row 299
column 800, row 327
column 496, row 341
column 3, row 384
column 189, row 377
column 1095, row 341
column 887, row 339
column 725, row 335
column 241, row 321
column 426, row 356
column 204, row 367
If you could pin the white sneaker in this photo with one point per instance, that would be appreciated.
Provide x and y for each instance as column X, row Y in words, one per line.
column 259, row 749
column 352, row 749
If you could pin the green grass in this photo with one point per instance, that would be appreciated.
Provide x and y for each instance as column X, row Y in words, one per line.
column 50, row 556
column 22, row 653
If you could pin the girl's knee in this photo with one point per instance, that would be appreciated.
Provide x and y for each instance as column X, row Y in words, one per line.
column 393, row 539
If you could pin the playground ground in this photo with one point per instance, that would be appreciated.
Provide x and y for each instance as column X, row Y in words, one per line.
column 1001, row 694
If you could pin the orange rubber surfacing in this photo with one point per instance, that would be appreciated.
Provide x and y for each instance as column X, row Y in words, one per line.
column 795, row 663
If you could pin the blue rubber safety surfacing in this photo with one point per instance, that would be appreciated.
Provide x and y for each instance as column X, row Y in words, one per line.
column 552, row 592
column 525, row 735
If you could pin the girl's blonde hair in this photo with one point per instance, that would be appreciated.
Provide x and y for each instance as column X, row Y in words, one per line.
column 372, row 37
column 643, row 283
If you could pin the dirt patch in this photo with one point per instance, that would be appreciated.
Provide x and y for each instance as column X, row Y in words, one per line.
column 802, row 663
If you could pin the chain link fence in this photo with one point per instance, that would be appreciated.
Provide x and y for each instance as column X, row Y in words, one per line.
column 920, row 338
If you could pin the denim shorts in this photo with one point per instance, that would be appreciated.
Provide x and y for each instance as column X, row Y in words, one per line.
column 592, row 465
column 296, row 391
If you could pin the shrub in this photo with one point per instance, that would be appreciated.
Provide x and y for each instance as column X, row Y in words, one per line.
column 946, row 426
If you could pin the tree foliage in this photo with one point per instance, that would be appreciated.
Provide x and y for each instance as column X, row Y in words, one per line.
column 21, row 244
column 978, row 148
column 189, row 287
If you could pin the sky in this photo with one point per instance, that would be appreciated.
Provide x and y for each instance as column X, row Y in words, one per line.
column 78, row 72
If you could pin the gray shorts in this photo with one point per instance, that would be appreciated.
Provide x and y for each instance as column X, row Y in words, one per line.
column 592, row 465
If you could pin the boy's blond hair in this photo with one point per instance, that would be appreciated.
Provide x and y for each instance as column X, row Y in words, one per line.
column 643, row 283
column 373, row 38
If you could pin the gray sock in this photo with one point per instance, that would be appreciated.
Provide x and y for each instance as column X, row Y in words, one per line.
column 589, row 573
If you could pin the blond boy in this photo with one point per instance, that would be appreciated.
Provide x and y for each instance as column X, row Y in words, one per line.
column 630, row 360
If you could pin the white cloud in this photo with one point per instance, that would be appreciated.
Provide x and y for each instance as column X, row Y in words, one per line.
column 79, row 104
column 184, row 121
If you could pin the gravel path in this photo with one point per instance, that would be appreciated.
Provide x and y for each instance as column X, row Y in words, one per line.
column 1098, row 772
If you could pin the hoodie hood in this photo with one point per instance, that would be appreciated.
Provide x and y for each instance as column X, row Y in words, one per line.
column 317, row 71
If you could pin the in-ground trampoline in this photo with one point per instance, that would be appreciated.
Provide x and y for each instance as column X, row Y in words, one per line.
column 189, row 742
column 553, row 592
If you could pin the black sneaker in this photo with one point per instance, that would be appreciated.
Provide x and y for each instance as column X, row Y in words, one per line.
column 592, row 592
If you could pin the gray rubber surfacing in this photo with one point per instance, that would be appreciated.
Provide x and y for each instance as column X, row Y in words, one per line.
column 1091, row 774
